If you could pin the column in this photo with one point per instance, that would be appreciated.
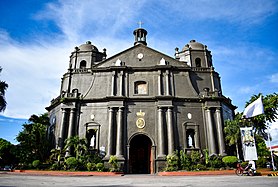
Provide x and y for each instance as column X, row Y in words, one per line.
column 71, row 122
column 159, row 83
column 110, row 133
column 210, row 136
column 121, row 74
column 167, row 83
column 113, row 84
column 62, row 130
column 160, row 134
column 197, row 137
column 220, row 137
column 119, row 145
column 170, row 131
column 212, row 79
column 70, row 129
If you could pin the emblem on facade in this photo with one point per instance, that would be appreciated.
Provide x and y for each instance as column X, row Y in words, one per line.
column 140, row 122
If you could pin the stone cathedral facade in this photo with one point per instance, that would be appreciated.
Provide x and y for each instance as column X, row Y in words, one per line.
column 141, row 104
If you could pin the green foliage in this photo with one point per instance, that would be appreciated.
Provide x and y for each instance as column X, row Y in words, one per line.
column 55, row 166
column 172, row 162
column 192, row 161
column 79, row 146
column 185, row 161
column 57, row 155
column 215, row 162
column 36, row 164
column 33, row 142
column 90, row 166
column 261, row 162
column 195, row 157
column 201, row 167
column 113, row 161
column 206, row 153
column 232, row 132
column 71, row 163
column 100, row 166
column 230, row 160
column 7, row 156
column 270, row 103
column 262, row 149
column 3, row 88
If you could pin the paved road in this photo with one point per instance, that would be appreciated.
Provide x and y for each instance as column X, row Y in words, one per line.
column 137, row 180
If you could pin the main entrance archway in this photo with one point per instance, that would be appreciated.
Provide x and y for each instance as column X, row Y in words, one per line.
column 140, row 155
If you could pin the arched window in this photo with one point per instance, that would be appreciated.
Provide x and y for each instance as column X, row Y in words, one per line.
column 198, row 62
column 83, row 64
column 140, row 87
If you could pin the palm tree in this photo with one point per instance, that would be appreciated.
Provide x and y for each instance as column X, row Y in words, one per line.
column 3, row 88
column 79, row 145
column 57, row 155
column 232, row 132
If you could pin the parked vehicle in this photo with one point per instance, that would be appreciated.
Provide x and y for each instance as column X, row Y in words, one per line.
column 244, row 170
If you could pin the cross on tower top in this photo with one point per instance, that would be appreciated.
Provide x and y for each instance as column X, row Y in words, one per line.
column 140, row 23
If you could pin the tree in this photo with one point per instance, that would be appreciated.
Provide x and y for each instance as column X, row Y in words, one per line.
column 6, row 153
column 33, row 142
column 79, row 146
column 232, row 132
column 3, row 88
column 270, row 103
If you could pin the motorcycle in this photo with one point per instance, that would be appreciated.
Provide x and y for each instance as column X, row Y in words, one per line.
column 244, row 171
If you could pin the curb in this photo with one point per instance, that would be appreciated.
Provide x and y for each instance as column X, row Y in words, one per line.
column 273, row 174
column 66, row 173
column 197, row 173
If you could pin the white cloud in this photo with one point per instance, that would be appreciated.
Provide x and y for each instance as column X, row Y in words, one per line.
column 33, row 74
column 247, row 12
column 274, row 78
column 33, row 71
column 77, row 19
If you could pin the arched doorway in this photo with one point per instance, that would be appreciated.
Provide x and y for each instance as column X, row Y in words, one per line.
column 140, row 155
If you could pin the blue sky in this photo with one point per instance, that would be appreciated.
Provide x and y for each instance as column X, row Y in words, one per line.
column 37, row 37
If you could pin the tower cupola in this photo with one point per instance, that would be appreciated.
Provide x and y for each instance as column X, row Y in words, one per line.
column 140, row 35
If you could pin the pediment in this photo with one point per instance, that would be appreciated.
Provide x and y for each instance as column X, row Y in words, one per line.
column 140, row 56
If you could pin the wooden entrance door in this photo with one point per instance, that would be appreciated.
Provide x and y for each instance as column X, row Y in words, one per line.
column 140, row 155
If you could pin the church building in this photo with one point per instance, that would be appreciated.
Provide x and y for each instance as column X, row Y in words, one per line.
column 141, row 104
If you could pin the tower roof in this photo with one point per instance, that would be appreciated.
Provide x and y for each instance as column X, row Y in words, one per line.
column 194, row 45
column 88, row 46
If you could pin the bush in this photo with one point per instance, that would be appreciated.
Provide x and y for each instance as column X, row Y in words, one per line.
column 195, row 157
column 172, row 162
column 90, row 166
column 200, row 167
column 100, row 166
column 36, row 164
column 114, row 163
column 230, row 161
column 261, row 162
column 71, row 163
column 215, row 161
column 55, row 166
column 185, row 161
